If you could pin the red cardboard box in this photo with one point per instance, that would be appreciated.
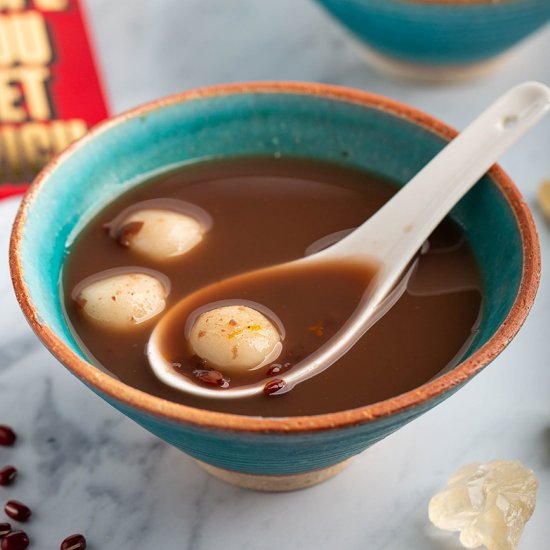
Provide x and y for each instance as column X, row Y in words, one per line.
column 50, row 91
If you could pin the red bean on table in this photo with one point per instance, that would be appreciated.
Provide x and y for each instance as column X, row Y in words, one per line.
column 5, row 528
column 74, row 542
column 7, row 475
column 17, row 510
column 17, row 540
column 7, row 436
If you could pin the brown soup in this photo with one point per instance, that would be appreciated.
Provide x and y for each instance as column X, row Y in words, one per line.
column 263, row 212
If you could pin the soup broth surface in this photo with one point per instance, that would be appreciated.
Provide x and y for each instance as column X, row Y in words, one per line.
column 266, row 211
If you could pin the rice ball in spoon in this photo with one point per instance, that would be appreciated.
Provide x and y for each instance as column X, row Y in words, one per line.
column 121, row 301
column 235, row 338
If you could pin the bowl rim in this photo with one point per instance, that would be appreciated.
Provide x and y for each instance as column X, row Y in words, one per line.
column 175, row 412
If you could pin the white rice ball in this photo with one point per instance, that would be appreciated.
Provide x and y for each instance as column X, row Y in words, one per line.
column 162, row 234
column 235, row 338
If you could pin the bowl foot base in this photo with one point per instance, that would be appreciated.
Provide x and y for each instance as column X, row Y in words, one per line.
column 291, row 482
column 431, row 74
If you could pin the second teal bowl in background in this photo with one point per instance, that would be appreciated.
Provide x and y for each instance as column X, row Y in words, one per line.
column 439, row 40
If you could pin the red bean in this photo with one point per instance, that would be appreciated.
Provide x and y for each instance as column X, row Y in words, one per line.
column 17, row 510
column 17, row 540
column 74, row 542
column 274, row 386
column 125, row 233
column 211, row 377
column 7, row 475
column 7, row 436
column 5, row 528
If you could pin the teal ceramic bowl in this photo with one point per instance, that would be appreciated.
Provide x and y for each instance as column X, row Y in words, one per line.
column 439, row 39
column 308, row 120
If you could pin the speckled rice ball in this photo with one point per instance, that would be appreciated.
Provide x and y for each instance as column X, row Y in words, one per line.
column 235, row 338
column 122, row 301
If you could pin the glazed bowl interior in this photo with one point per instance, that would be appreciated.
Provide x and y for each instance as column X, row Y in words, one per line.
column 308, row 121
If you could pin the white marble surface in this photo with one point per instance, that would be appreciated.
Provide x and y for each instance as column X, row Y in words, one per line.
column 86, row 468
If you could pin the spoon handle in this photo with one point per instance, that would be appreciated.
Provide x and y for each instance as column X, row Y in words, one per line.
column 393, row 235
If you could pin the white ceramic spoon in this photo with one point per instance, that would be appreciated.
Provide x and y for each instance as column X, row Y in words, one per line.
column 391, row 238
